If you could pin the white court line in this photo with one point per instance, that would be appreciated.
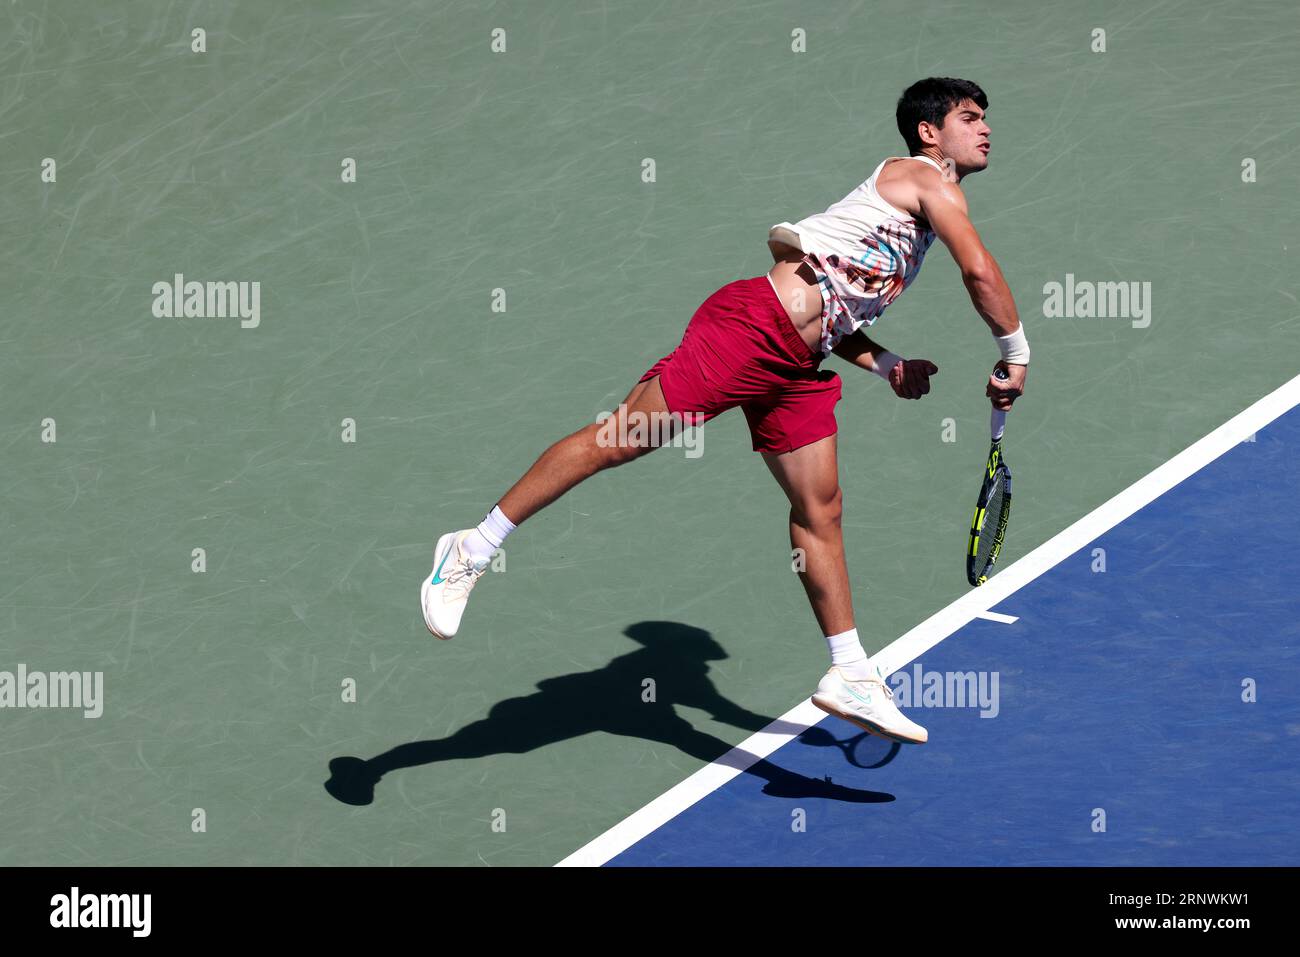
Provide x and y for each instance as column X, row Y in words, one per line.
column 975, row 603
column 998, row 616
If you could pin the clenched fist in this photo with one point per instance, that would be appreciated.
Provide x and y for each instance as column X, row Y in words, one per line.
column 910, row 378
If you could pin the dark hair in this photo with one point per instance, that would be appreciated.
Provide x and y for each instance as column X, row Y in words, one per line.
column 931, row 100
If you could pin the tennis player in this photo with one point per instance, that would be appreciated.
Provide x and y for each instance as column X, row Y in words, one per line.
column 759, row 343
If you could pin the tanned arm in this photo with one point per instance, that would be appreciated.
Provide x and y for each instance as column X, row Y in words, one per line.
column 944, row 207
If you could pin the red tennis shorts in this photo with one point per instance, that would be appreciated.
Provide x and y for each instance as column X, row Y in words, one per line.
column 740, row 348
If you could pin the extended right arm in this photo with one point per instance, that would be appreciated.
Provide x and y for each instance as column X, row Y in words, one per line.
column 944, row 207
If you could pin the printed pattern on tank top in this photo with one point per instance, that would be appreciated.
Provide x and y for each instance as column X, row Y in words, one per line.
column 864, row 252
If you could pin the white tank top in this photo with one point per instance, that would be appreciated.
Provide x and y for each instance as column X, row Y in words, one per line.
column 863, row 251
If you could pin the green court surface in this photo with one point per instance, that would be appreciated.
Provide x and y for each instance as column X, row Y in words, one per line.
column 521, row 170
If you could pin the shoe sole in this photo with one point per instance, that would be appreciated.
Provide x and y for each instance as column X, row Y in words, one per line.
column 853, row 719
column 450, row 539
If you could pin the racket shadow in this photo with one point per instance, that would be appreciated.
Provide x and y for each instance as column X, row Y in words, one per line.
column 862, row 750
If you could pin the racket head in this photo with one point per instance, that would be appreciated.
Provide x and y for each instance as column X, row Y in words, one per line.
column 989, row 525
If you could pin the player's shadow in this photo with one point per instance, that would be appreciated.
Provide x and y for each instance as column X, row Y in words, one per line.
column 674, row 656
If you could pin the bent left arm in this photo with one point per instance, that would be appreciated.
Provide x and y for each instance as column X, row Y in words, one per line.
column 860, row 351
column 909, row 378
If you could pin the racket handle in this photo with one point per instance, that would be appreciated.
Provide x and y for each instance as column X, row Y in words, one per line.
column 998, row 420
column 997, row 423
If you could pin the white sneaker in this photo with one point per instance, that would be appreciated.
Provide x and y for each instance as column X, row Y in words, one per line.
column 867, row 703
column 444, row 593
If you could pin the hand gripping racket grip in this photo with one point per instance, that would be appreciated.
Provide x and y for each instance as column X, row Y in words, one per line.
column 998, row 420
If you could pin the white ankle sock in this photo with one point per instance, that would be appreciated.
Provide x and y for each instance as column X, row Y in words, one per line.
column 489, row 536
column 848, row 654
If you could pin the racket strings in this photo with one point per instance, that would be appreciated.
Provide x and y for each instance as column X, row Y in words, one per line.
column 989, row 528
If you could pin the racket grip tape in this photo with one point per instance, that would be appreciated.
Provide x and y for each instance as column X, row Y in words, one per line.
column 998, row 420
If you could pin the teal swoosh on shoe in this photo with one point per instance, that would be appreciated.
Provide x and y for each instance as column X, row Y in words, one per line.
column 437, row 572
column 849, row 688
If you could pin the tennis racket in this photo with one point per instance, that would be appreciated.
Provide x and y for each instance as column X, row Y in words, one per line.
column 993, row 508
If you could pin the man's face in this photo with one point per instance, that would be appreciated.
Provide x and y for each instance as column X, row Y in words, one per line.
column 965, row 138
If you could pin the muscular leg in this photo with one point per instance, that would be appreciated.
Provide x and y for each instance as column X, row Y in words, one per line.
column 579, row 456
column 810, row 478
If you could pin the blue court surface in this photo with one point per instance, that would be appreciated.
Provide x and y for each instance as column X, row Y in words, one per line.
column 1119, row 693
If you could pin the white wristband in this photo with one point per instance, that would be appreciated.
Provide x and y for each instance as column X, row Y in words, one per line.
column 1015, row 348
column 885, row 362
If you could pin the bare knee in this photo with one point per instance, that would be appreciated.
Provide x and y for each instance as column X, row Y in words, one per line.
column 604, row 450
column 822, row 512
column 619, row 455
